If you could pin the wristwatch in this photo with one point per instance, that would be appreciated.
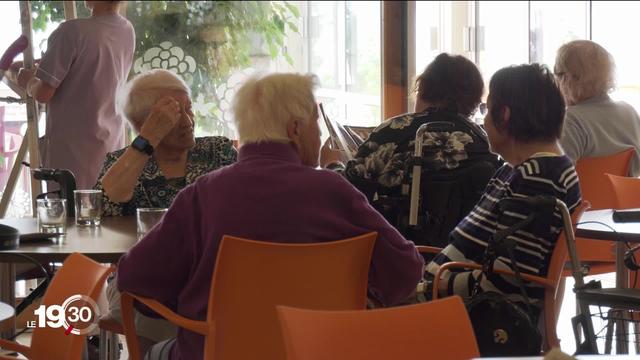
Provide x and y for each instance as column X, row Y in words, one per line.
column 141, row 144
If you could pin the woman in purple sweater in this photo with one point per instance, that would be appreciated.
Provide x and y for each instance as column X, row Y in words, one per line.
column 273, row 193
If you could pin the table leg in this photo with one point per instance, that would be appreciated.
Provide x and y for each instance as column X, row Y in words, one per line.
column 622, row 282
column 8, row 290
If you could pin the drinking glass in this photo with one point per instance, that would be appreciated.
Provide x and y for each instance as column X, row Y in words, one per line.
column 88, row 207
column 147, row 218
column 52, row 215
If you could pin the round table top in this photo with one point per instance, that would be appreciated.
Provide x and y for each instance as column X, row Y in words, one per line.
column 7, row 314
column 104, row 243
column 599, row 225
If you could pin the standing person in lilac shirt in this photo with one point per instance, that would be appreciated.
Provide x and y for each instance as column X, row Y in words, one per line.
column 86, row 61
column 273, row 193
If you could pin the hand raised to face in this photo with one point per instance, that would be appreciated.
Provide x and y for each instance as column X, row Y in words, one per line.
column 163, row 117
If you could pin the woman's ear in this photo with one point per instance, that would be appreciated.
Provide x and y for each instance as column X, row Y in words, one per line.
column 506, row 115
column 293, row 129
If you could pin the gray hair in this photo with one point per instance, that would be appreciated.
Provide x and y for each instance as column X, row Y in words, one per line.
column 264, row 105
column 586, row 70
column 144, row 90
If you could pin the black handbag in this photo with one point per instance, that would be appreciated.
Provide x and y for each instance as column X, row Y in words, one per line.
column 502, row 327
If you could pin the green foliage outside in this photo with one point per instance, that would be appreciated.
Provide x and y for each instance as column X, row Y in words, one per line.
column 221, row 36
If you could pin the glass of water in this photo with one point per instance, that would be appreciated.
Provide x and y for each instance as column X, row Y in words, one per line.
column 52, row 215
column 88, row 207
column 147, row 218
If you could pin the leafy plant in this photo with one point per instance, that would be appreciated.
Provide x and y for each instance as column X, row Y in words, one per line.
column 222, row 37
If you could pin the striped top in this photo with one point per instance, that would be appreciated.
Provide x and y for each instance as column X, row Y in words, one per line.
column 543, row 175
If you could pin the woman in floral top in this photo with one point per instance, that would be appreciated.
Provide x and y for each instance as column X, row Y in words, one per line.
column 165, row 157
column 449, row 90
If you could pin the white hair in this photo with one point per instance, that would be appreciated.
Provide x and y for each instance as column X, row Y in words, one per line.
column 265, row 104
column 589, row 70
column 144, row 90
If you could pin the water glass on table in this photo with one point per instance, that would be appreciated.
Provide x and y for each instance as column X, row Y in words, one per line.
column 147, row 218
column 52, row 215
column 88, row 207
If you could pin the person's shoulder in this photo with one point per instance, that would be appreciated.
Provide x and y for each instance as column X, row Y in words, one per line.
column 551, row 168
column 213, row 145
column 330, row 181
column 213, row 141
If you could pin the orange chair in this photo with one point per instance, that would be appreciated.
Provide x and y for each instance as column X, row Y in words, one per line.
column 552, row 297
column 252, row 277
column 626, row 191
column 79, row 275
column 434, row 330
column 595, row 188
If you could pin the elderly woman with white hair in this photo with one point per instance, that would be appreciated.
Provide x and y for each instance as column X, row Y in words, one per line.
column 162, row 160
column 595, row 125
column 273, row 193
column 164, row 157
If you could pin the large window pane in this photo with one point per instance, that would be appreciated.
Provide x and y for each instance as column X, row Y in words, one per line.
column 13, row 116
column 553, row 24
column 213, row 46
column 502, row 35
column 614, row 26
column 344, row 51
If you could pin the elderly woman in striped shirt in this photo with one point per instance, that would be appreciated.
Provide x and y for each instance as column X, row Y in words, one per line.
column 524, row 123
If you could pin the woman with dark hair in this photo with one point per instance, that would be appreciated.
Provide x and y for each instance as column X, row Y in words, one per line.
column 449, row 90
column 524, row 124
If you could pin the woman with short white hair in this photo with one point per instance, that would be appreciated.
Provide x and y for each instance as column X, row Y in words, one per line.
column 165, row 156
column 163, row 159
column 595, row 125
column 258, row 120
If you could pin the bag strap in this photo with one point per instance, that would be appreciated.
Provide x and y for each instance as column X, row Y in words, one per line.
column 523, row 291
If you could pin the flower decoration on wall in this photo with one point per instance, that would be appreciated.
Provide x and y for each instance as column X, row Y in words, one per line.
column 169, row 57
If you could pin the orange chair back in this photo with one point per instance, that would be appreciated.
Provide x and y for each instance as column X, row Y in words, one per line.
column 593, row 183
column 626, row 191
column 439, row 329
column 252, row 277
column 596, row 189
column 79, row 275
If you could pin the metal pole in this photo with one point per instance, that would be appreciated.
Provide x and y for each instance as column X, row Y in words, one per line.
column 32, row 106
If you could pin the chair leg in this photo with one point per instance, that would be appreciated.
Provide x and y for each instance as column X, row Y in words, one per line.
column 636, row 330
column 114, row 351
column 609, row 335
column 622, row 346
column 102, row 355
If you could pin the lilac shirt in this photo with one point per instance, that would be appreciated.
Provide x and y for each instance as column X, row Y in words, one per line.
column 259, row 197
column 87, row 60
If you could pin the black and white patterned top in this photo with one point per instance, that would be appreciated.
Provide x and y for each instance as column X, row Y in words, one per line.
column 382, row 162
column 154, row 190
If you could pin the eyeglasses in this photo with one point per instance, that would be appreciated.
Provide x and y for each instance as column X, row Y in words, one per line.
column 482, row 108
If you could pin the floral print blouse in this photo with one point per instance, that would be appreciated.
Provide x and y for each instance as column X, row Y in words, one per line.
column 156, row 191
column 381, row 163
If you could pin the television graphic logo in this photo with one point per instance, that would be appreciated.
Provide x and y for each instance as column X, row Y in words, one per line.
column 77, row 315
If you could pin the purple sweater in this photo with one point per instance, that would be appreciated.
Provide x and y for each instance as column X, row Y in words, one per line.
column 259, row 197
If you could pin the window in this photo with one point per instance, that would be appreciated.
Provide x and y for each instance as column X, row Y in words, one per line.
column 343, row 48
column 13, row 116
column 553, row 24
column 614, row 25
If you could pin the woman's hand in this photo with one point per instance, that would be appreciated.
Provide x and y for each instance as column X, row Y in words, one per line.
column 329, row 155
column 163, row 117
